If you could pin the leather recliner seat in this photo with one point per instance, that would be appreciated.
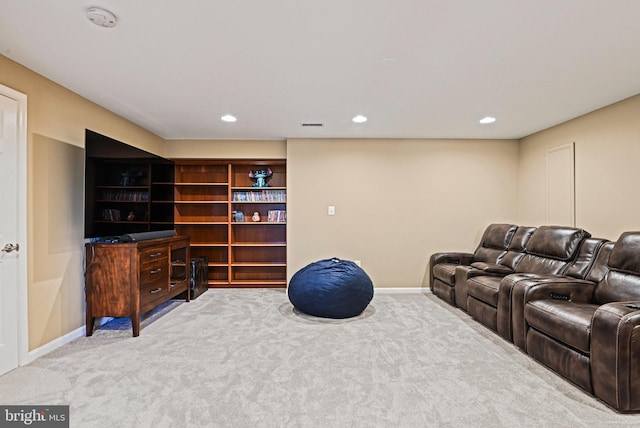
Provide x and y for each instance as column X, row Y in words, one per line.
column 522, row 288
column 492, row 248
column 573, row 304
column 549, row 251
column 505, row 266
column 593, row 339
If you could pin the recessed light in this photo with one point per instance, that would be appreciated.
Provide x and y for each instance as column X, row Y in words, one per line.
column 359, row 119
column 228, row 118
column 487, row 119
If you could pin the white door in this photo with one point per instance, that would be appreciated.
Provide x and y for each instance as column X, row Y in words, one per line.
column 9, row 247
column 561, row 201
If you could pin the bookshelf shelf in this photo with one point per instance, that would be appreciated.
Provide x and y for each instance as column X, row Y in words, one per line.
column 200, row 202
column 122, row 201
column 258, row 284
column 258, row 223
column 200, row 184
column 202, row 223
column 259, row 264
column 260, row 244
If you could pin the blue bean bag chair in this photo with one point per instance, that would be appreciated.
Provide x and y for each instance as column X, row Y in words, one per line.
column 331, row 288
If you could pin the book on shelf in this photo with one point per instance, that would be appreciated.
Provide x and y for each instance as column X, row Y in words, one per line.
column 123, row 195
column 111, row 215
column 276, row 216
column 277, row 195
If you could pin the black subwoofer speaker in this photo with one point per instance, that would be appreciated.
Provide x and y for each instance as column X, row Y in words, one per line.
column 199, row 276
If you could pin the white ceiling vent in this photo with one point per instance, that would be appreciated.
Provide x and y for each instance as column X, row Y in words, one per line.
column 312, row 124
column 102, row 17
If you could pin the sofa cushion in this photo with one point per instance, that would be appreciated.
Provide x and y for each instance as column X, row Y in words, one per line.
column 567, row 322
column 521, row 238
column 532, row 263
column 624, row 256
column 498, row 236
column 494, row 243
column 484, row 288
column 492, row 268
column 556, row 242
column 445, row 272
column 622, row 281
column 600, row 266
column 444, row 291
column 585, row 258
column 483, row 313
column 515, row 252
column 617, row 287
column 568, row 362
column 489, row 255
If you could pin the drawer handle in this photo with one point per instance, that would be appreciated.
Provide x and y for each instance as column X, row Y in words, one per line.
column 154, row 255
column 155, row 271
column 157, row 290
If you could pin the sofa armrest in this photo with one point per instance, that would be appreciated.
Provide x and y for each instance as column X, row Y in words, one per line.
column 538, row 288
column 504, row 308
column 492, row 268
column 456, row 258
column 464, row 273
column 569, row 289
column 615, row 355
column 504, row 320
column 451, row 258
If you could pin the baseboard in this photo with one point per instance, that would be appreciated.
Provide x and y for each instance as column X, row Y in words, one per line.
column 60, row 341
column 401, row 290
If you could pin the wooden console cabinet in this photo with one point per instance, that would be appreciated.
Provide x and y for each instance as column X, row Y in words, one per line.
column 131, row 278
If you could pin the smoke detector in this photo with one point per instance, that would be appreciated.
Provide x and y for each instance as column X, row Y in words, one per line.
column 102, row 17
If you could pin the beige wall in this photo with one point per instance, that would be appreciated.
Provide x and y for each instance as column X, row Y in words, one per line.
column 397, row 201
column 56, row 122
column 226, row 149
column 56, row 285
column 607, row 172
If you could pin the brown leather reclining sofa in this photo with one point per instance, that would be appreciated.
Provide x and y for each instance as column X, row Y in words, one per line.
column 570, row 301
column 492, row 249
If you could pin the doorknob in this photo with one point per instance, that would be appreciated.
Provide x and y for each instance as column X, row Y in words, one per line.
column 10, row 248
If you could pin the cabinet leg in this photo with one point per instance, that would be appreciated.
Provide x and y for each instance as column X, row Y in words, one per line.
column 135, row 323
column 89, row 325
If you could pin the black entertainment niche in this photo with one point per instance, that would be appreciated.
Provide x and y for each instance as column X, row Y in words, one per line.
column 128, row 191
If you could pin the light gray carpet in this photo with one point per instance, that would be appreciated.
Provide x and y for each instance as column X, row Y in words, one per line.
column 245, row 358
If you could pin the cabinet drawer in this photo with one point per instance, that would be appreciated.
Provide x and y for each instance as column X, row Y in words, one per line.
column 154, row 254
column 154, row 271
column 153, row 290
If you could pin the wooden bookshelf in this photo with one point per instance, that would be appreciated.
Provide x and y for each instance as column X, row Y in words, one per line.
column 129, row 196
column 241, row 252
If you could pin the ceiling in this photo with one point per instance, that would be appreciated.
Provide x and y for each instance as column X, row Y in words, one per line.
column 415, row 68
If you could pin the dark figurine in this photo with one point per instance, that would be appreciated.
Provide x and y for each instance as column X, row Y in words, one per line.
column 261, row 176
